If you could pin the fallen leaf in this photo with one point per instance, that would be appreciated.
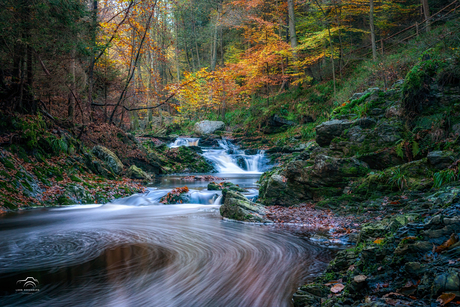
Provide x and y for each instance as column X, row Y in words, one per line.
column 333, row 282
column 360, row 278
column 337, row 288
column 379, row 240
column 445, row 298
column 451, row 241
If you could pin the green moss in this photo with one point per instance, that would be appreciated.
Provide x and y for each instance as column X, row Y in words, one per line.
column 7, row 163
column 75, row 178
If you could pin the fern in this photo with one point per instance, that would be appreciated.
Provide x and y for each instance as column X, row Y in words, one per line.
column 443, row 177
column 400, row 149
column 398, row 179
column 415, row 149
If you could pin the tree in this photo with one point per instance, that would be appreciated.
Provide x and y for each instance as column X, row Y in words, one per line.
column 371, row 24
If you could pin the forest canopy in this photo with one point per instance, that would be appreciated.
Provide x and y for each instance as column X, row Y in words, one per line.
column 115, row 60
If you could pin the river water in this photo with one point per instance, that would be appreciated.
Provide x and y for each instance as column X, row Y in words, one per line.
column 137, row 252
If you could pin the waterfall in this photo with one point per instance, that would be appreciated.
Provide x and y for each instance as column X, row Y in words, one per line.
column 228, row 158
column 185, row 142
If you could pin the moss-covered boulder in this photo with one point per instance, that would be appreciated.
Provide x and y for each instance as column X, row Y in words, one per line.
column 110, row 159
column 415, row 176
column 135, row 172
column 441, row 159
column 302, row 181
column 237, row 207
column 213, row 186
column 327, row 131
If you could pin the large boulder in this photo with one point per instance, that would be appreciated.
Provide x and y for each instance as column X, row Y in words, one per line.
column 302, row 181
column 276, row 124
column 110, row 159
column 327, row 131
column 237, row 207
column 441, row 159
column 209, row 127
column 135, row 172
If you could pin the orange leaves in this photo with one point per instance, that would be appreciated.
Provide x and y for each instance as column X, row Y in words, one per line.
column 452, row 240
column 445, row 298
column 337, row 288
column 379, row 241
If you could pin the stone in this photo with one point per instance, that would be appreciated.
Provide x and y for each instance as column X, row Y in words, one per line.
column 237, row 207
column 448, row 281
column 305, row 182
column 208, row 127
column 251, row 152
column 135, row 172
column 279, row 121
column 413, row 268
column 213, row 186
column 110, row 159
column 276, row 124
column 456, row 129
column 327, row 131
column 441, row 159
column 359, row 279
column 365, row 122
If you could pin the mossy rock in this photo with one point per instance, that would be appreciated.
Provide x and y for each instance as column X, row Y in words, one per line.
column 237, row 207
column 111, row 161
column 135, row 172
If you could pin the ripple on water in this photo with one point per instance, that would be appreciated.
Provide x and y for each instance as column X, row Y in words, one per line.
column 153, row 256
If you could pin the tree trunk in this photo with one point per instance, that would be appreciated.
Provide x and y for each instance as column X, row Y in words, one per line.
column 214, row 46
column 292, row 32
column 426, row 13
column 371, row 23
column 71, row 111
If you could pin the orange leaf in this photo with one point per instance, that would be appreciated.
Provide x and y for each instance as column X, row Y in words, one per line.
column 445, row 298
column 337, row 288
column 452, row 240
column 379, row 240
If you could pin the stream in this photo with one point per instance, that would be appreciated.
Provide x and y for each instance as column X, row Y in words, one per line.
column 138, row 252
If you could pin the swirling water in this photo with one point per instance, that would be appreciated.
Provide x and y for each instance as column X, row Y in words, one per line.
column 136, row 252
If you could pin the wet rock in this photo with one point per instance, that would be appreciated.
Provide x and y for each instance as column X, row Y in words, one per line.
column 365, row 122
column 251, row 152
column 417, row 247
column 110, row 159
column 237, row 207
column 196, row 149
column 213, row 186
column 441, row 159
column 446, row 282
column 382, row 159
column 75, row 194
column 309, row 295
column 135, row 172
column 414, row 268
column 241, row 162
column 209, row 127
column 327, row 131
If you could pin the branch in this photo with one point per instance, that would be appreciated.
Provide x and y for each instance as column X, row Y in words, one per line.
column 116, row 30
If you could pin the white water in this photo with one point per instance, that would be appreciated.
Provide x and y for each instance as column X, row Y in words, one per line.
column 184, row 142
column 136, row 252
column 228, row 158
